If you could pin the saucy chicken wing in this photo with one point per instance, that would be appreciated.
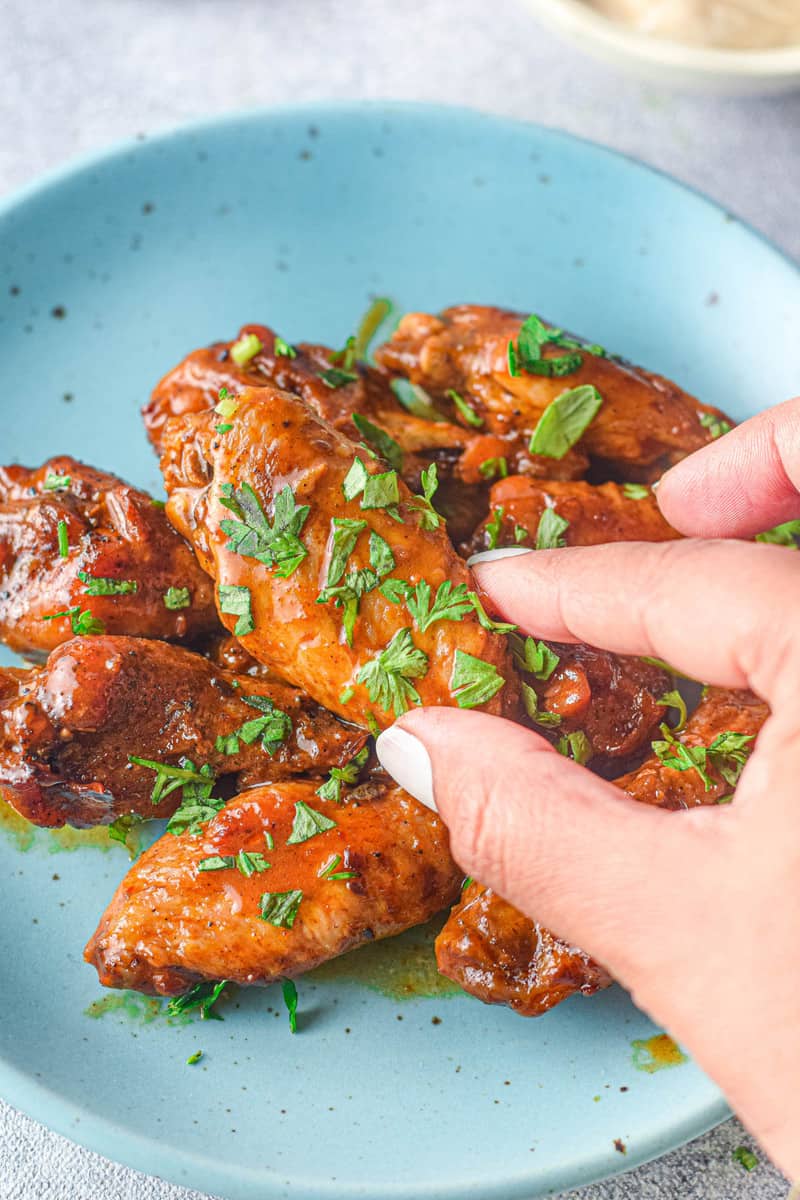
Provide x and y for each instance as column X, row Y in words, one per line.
column 81, row 551
column 318, row 879
column 610, row 512
column 644, row 421
column 497, row 954
column 327, row 568
column 68, row 729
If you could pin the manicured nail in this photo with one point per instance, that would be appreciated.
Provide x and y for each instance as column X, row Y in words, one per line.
column 653, row 486
column 407, row 761
column 494, row 555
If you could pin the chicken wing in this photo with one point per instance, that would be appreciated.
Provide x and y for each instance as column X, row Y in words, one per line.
column 68, row 729
column 502, row 957
column 610, row 512
column 320, row 879
column 327, row 568
column 644, row 421
column 81, row 551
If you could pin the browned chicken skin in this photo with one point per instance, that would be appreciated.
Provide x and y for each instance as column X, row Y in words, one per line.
column 596, row 514
column 502, row 957
column 170, row 925
column 277, row 442
column 68, row 729
column 644, row 421
column 114, row 533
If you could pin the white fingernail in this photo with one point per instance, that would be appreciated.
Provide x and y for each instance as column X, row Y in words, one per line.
column 407, row 761
column 494, row 555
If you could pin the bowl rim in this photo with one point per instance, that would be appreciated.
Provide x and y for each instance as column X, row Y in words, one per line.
column 578, row 17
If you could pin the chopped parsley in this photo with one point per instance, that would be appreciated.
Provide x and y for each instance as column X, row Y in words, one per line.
column 278, row 545
column 177, row 597
column 635, row 491
column 331, row 789
column 387, row 676
column 429, row 518
column 328, row 869
column 565, row 420
column 520, row 533
column 273, row 727
column 781, row 535
column 380, row 440
column 675, row 700
column 465, row 410
column 56, row 483
column 307, row 823
column 745, row 1158
column 235, row 601
column 247, row 863
column 369, row 325
column 450, row 603
column 169, row 778
column 121, row 830
column 82, row 622
column 197, row 806
column 416, row 401
column 336, row 377
column 289, row 989
column 347, row 593
column 280, row 908
column 381, row 491
column 550, row 530
column 715, row 425
column 490, row 468
column 494, row 526
column 355, row 480
column 194, row 1058
column 224, row 428
column 282, row 349
column 203, row 996
column 63, row 539
column 533, row 336
column 344, row 535
column 575, row 746
column 485, row 620
column 541, row 716
column 269, row 840
column 534, row 657
column 100, row 585
column 473, row 682
column 728, row 753
column 246, row 348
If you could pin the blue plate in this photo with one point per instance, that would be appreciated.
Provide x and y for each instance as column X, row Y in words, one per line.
column 111, row 271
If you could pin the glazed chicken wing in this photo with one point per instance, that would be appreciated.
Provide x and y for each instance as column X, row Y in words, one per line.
column 80, row 543
column 69, row 728
column 610, row 512
column 312, row 889
column 327, row 568
column 502, row 957
column 644, row 421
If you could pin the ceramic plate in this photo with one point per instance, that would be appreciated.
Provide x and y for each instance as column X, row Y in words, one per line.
column 113, row 269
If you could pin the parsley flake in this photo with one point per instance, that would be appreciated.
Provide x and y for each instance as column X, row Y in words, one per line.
column 541, row 716
column 473, row 681
column 675, row 700
column 56, row 483
column 575, row 746
column 202, row 996
column 82, row 622
column 380, row 440
column 369, row 325
column 289, row 990
column 465, row 410
column 745, row 1158
column 533, row 336
column 387, row 676
column 550, row 530
column 335, row 377
column 331, row 789
column 494, row 527
column 781, row 535
column 307, row 823
column 565, row 420
column 226, row 405
column 635, row 491
column 246, row 348
column 282, row 349
column 429, row 518
column 194, row 1058
column 273, row 728
column 278, row 545
column 280, row 908
column 328, row 869
column 99, row 585
column 416, row 401
column 63, row 539
column 121, row 831
column 487, row 622
column 716, row 426
column 490, row 468
column 235, row 601
column 176, row 598
column 534, row 657
column 450, row 604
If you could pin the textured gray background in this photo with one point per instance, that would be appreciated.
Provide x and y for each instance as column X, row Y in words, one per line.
column 75, row 74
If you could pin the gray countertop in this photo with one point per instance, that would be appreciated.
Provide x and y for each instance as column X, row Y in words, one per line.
column 77, row 74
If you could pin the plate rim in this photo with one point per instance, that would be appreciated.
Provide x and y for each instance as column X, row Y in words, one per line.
column 152, row 1156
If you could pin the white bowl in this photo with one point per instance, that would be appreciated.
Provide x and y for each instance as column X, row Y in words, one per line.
column 732, row 72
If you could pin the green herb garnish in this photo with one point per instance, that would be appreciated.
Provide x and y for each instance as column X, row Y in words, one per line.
column 485, row 620
column 494, row 527
column 217, row 862
column 289, row 989
column 490, row 468
column 534, row 657
column 280, row 908
column 450, row 604
column 473, row 682
column 177, row 597
column 235, row 602
column 380, row 440
column 197, row 805
column 575, row 746
column 307, row 823
column 328, row 869
column 82, row 622
column 550, row 531
column 781, row 535
column 169, row 778
column 565, row 420
column 194, row 1058
column 387, row 675
column 202, row 996
column 247, row 347
column 63, row 539
column 534, row 335
column 121, row 829
column 282, row 349
column 745, row 1158
column 56, row 483
column 335, row 377
column 675, row 700
column 465, row 409
column 273, row 728
column 429, row 518
column 541, row 716
column 331, row 789
column 520, row 533
column 226, row 404
column 728, row 753
column 716, row 426
column 381, row 491
column 635, row 491
column 99, row 585
column 415, row 400
column 278, row 545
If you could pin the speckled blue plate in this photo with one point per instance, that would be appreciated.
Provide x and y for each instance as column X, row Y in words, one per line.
column 111, row 271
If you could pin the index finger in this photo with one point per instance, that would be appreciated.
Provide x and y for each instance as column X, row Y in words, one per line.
column 724, row 612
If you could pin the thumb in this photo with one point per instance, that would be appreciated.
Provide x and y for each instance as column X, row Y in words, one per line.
column 559, row 843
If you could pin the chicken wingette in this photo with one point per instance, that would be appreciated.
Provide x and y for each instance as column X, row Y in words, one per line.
column 276, row 883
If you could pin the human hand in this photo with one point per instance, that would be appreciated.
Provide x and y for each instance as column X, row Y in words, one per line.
column 696, row 913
